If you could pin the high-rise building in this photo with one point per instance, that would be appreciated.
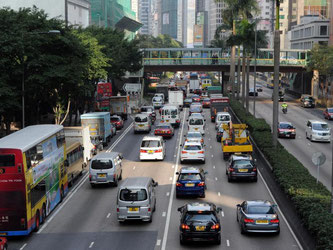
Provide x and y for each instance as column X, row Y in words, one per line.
column 169, row 17
column 134, row 7
column 145, row 16
column 155, row 17
column 201, row 12
column 215, row 19
column 77, row 12
column 188, row 22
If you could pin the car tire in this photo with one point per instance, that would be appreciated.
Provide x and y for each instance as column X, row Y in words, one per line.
column 116, row 182
column 92, row 185
column 151, row 219
column 242, row 230
column 229, row 179
column 311, row 138
column 255, row 179
column 154, row 206
column 121, row 175
column 181, row 240
column 218, row 240
column 5, row 247
column 203, row 162
column 43, row 214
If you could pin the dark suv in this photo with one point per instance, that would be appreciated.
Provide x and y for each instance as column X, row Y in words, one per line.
column 200, row 221
column 307, row 101
column 241, row 167
column 191, row 181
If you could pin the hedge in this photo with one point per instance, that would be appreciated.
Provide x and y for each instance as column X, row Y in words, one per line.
column 311, row 200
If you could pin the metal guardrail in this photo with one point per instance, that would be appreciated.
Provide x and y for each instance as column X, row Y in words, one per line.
column 218, row 61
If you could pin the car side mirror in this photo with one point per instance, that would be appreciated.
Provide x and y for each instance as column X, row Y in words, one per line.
column 179, row 209
column 274, row 206
column 238, row 205
column 204, row 119
column 187, row 120
column 181, row 145
column 184, row 136
column 155, row 184
column 177, row 173
column 219, row 209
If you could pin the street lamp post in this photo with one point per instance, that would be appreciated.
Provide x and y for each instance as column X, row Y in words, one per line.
column 255, row 70
column 23, row 70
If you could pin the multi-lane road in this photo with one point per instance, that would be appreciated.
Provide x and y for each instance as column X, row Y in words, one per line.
column 86, row 219
column 301, row 147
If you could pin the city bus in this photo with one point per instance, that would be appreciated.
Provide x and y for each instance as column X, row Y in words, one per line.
column 33, row 178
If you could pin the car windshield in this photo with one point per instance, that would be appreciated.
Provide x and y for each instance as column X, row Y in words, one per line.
column 195, row 109
column 192, row 147
column 146, row 110
column 309, row 98
column 140, row 119
column 101, row 164
column 157, row 99
column 223, row 118
column 115, row 119
column 320, row 126
column 162, row 127
column 198, row 217
column 286, row 126
column 330, row 110
column 260, row 210
column 169, row 112
column 242, row 164
column 189, row 177
column 206, row 100
column 150, row 144
column 133, row 195
column 188, row 100
column 194, row 135
column 196, row 122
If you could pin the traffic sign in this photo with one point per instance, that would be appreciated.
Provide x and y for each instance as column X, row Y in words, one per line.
column 318, row 158
column 132, row 87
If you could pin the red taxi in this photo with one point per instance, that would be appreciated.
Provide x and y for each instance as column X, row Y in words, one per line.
column 3, row 243
column 206, row 103
column 195, row 98
column 116, row 120
column 286, row 130
column 164, row 130
column 328, row 113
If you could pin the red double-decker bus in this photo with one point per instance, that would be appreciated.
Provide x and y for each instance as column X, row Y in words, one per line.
column 33, row 178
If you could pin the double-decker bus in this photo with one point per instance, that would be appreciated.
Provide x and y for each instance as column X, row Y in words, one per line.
column 33, row 178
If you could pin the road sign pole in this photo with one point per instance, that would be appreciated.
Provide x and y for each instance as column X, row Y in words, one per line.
column 318, row 172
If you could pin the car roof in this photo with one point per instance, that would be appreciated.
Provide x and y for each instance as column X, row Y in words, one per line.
column 199, row 206
column 194, row 132
column 241, row 157
column 152, row 138
column 190, row 170
column 105, row 155
column 223, row 113
column 147, row 106
column 115, row 116
column 194, row 143
column 135, row 182
column 163, row 124
column 316, row 121
column 141, row 115
column 259, row 202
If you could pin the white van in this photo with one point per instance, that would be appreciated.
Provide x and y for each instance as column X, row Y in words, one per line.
column 157, row 102
column 318, row 131
column 196, row 123
column 160, row 95
column 170, row 114
column 222, row 117
column 152, row 148
column 142, row 122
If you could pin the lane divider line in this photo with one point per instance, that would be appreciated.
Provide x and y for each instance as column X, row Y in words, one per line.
column 222, row 213
column 108, row 216
column 167, row 194
column 173, row 187
column 119, row 138
column 24, row 245
column 228, row 243
column 91, row 244
column 78, row 186
column 158, row 243
column 163, row 214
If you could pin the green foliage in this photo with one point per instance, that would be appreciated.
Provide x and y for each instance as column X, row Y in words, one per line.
column 321, row 59
column 311, row 200
column 161, row 41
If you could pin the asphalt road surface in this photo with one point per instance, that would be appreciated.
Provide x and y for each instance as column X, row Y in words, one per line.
column 86, row 219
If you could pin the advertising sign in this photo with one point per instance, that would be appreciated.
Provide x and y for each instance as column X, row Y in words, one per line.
column 200, row 18
column 198, row 35
column 165, row 18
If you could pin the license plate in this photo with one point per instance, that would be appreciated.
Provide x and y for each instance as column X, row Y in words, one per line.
column 150, row 151
column 140, row 125
column 3, row 234
column 243, row 170
column 200, row 228
column 287, row 135
column 189, row 185
column 196, row 129
column 261, row 221
column 167, row 120
column 102, row 175
column 133, row 209
column 192, row 153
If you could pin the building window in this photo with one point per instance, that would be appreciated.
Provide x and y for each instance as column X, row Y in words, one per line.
column 281, row 16
column 267, row 7
column 267, row 13
column 323, row 30
column 281, row 9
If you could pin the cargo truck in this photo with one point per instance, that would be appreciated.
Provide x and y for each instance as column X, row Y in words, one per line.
column 218, row 103
column 176, row 98
column 118, row 106
column 99, row 125
column 164, row 89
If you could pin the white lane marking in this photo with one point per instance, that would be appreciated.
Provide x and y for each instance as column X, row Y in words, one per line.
column 174, row 156
column 216, row 178
column 228, row 243
column 173, row 166
column 158, row 243
column 134, row 168
column 170, row 178
column 213, row 166
column 163, row 214
column 309, row 144
column 282, row 215
column 219, row 194
column 208, row 138
column 173, row 187
column 212, row 155
column 119, row 138
column 210, row 146
column 167, row 194
column 108, row 216
column 24, row 245
column 222, row 214
column 79, row 185
column 91, row 244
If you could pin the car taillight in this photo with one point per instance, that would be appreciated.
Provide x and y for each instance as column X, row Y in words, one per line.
column 90, row 177
column 169, row 132
column 178, row 184
column 185, row 227
column 23, row 222
column 184, row 152
column 117, row 210
column 231, row 170
column 149, row 209
column 201, row 184
column 201, row 140
column 275, row 221
column 201, row 152
column 114, row 176
column 254, row 170
column 158, row 151
column 212, row 117
column 215, row 227
column 94, row 147
column 293, row 130
column 143, row 151
column 177, row 121
column 248, row 220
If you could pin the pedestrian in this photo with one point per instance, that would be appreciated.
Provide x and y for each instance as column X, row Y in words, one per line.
column 180, row 59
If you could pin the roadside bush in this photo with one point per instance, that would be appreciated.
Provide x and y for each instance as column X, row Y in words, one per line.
column 311, row 200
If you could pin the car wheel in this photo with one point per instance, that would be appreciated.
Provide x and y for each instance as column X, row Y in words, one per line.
column 204, row 161
column 242, row 230
column 237, row 217
column 121, row 175
column 43, row 214
column 306, row 135
column 150, row 219
column 181, row 162
column 92, row 185
column 203, row 195
column 229, row 179
column 218, row 240
column 181, row 240
column 5, row 247
column 311, row 138
column 255, row 179
column 154, row 206
column 116, row 182
column 278, row 232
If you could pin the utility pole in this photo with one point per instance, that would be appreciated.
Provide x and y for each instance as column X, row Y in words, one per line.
column 255, row 70
column 238, row 73
column 66, row 13
column 276, row 74
column 232, row 63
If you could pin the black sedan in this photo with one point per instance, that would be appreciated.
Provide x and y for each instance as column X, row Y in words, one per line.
column 241, row 167
column 258, row 216
column 200, row 221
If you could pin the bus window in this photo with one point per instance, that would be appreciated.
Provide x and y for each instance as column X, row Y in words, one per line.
column 38, row 192
column 7, row 160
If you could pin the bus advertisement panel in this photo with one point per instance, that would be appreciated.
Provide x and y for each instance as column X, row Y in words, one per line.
column 33, row 178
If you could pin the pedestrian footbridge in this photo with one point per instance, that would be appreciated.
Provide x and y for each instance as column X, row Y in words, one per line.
column 215, row 59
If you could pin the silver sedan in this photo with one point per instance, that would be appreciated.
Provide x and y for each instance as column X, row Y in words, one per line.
column 258, row 216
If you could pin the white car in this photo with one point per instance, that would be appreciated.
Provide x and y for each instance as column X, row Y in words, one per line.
column 160, row 95
column 318, row 131
column 192, row 151
column 157, row 102
column 152, row 148
column 222, row 117
column 196, row 123
column 194, row 137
